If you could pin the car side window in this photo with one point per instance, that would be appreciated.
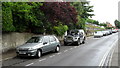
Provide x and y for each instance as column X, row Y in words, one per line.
column 81, row 34
column 41, row 40
column 46, row 39
column 52, row 39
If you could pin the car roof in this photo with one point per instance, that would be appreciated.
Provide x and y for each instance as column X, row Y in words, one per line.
column 41, row 35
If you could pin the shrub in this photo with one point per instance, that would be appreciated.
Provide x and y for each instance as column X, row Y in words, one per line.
column 60, row 30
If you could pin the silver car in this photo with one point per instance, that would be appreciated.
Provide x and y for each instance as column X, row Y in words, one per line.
column 76, row 36
column 98, row 34
column 38, row 45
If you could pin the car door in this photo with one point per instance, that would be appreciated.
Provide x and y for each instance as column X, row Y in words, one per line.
column 81, row 36
column 53, row 43
column 46, row 44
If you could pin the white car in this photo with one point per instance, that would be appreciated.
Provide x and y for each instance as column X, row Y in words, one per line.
column 98, row 34
column 114, row 31
column 106, row 32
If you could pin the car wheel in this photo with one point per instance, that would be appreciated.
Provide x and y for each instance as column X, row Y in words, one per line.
column 83, row 41
column 57, row 49
column 38, row 55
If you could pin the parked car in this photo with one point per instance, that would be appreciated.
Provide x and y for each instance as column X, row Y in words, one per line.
column 98, row 34
column 109, row 32
column 76, row 36
column 105, row 33
column 114, row 30
column 38, row 45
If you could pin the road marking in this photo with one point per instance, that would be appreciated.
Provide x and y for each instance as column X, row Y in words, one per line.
column 59, row 53
column 42, row 59
column 65, row 50
column 51, row 56
column 71, row 48
column 75, row 47
column 105, row 55
column 29, row 64
column 111, row 57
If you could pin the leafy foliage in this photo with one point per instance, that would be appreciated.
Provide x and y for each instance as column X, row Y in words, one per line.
column 92, row 21
column 117, row 23
column 59, row 12
column 7, row 18
column 103, row 24
column 46, row 17
column 60, row 30
column 83, row 9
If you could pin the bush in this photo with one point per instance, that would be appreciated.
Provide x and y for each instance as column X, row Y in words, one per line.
column 60, row 30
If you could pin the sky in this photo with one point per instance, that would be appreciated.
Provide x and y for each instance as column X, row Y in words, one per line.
column 105, row 10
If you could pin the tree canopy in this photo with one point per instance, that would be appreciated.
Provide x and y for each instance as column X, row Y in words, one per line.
column 117, row 23
column 44, row 17
column 59, row 12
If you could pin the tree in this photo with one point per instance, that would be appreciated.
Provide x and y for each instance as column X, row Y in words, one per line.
column 27, row 17
column 59, row 12
column 117, row 23
column 83, row 9
column 7, row 24
column 103, row 24
column 86, row 10
column 20, row 16
column 93, row 21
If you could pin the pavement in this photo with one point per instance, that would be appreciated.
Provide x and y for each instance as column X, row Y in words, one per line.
column 89, row 54
column 115, row 56
column 114, row 59
column 8, row 55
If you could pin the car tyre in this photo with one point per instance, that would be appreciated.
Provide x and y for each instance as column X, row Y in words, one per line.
column 38, row 55
column 57, row 49
column 83, row 41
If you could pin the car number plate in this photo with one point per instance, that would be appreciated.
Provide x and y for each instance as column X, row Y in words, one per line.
column 69, row 40
column 22, row 53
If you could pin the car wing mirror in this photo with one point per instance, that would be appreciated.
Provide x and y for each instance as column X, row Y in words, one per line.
column 44, row 43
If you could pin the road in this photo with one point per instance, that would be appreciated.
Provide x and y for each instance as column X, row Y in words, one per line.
column 92, row 53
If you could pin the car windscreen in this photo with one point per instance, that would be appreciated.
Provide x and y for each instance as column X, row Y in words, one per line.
column 98, row 32
column 75, row 31
column 33, row 40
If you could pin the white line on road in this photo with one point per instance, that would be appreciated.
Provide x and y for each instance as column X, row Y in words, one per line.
column 105, row 55
column 42, row 59
column 59, row 53
column 51, row 56
column 71, row 48
column 75, row 47
column 29, row 64
column 111, row 57
column 65, row 50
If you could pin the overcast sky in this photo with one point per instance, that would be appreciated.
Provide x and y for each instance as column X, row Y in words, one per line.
column 105, row 10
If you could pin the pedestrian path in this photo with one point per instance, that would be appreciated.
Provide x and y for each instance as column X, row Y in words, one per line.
column 7, row 55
